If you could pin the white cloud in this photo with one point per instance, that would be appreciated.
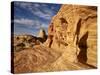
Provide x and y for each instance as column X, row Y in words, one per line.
column 24, row 4
column 30, row 23
column 36, row 5
column 24, row 21
column 35, row 8
column 45, row 13
column 42, row 15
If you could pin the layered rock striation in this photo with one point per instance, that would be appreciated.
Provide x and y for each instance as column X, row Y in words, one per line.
column 73, row 31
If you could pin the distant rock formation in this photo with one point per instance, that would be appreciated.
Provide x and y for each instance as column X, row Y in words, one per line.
column 42, row 35
column 74, row 31
column 25, row 41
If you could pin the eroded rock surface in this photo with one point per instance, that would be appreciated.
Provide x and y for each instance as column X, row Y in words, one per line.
column 73, row 31
column 34, row 59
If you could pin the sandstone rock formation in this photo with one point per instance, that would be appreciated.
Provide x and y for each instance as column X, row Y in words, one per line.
column 71, row 43
column 42, row 35
column 34, row 59
column 73, row 31
column 25, row 41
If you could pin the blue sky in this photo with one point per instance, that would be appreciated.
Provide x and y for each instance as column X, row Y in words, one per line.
column 29, row 16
